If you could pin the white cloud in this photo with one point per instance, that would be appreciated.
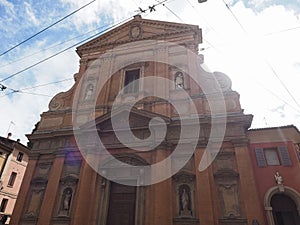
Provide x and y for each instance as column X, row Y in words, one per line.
column 99, row 11
column 30, row 14
column 8, row 6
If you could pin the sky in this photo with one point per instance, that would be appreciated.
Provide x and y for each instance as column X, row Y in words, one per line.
column 254, row 42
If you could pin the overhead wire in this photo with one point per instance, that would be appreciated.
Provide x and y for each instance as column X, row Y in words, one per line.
column 50, row 47
column 275, row 95
column 284, row 30
column 234, row 16
column 202, row 17
column 90, row 37
column 184, row 22
column 282, row 83
column 56, row 45
column 57, row 53
column 41, row 61
column 273, row 70
column 267, row 63
column 33, row 87
column 46, row 28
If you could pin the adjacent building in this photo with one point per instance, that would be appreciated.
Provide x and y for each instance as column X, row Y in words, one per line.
column 275, row 159
column 13, row 162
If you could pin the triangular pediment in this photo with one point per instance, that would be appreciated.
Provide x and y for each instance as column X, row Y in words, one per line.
column 139, row 29
column 138, row 119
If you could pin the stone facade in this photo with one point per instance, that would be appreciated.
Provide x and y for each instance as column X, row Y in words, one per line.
column 63, row 184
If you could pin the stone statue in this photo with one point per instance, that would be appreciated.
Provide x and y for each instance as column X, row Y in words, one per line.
column 179, row 82
column 67, row 200
column 184, row 200
column 89, row 92
column 278, row 178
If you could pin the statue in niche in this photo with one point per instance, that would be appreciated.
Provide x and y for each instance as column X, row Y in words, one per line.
column 278, row 178
column 89, row 92
column 185, row 201
column 66, row 199
column 179, row 81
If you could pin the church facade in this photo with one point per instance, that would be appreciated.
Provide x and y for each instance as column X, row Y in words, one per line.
column 144, row 137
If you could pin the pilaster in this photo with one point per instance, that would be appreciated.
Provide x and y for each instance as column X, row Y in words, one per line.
column 83, row 205
column 249, row 193
column 51, row 190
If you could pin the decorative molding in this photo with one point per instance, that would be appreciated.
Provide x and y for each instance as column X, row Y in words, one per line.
column 235, row 221
column 186, row 221
column 39, row 182
column 184, row 177
column 225, row 174
column 136, row 31
column 70, row 180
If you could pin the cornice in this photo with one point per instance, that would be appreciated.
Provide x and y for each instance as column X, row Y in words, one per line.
column 92, row 48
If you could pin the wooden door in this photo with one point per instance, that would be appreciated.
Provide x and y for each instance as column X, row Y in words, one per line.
column 284, row 210
column 122, row 201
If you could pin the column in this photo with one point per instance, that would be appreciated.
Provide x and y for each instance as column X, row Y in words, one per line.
column 205, row 204
column 85, row 196
column 162, row 201
column 51, row 190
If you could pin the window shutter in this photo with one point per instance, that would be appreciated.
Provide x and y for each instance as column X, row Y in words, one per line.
column 260, row 157
column 284, row 155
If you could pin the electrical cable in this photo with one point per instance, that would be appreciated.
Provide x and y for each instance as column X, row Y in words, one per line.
column 33, row 87
column 268, row 64
column 281, row 31
column 184, row 22
column 237, row 20
column 273, row 70
column 50, row 47
column 173, row 13
column 41, row 31
column 43, row 60
column 199, row 14
column 282, row 83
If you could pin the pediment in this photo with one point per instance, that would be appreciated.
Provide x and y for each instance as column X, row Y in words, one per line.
column 139, row 29
column 138, row 119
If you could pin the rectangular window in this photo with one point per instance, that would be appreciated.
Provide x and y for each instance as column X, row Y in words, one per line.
column 12, row 179
column 3, row 204
column 131, row 84
column 271, row 156
column 20, row 157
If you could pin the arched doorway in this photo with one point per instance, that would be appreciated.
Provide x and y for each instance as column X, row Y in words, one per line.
column 284, row 210
column 279, row 203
